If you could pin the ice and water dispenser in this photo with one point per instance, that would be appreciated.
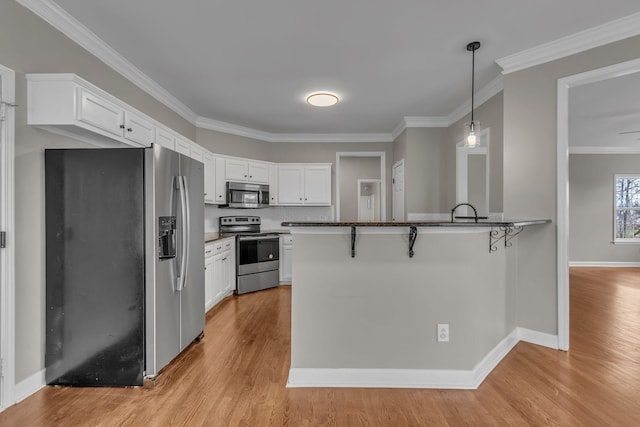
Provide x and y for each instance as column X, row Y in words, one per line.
column 167, row 237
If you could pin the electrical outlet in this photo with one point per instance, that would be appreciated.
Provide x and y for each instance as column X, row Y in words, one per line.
column 443, row 332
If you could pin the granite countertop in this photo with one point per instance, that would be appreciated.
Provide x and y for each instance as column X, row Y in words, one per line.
column 465, row 223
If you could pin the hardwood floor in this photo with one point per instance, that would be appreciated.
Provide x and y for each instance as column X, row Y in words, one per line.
column 236, row 376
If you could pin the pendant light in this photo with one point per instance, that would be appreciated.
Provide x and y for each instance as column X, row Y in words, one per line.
column 472, row 128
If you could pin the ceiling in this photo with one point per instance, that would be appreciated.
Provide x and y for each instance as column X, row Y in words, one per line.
column 601, row 114
column 251, row 63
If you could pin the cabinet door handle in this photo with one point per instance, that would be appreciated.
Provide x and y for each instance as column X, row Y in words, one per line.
column 129, row 130
column 121, row 126
column 300, row 198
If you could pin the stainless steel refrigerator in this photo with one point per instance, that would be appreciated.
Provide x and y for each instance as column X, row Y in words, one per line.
column 124, row 263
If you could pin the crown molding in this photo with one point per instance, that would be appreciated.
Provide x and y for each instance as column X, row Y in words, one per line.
column 490, row 90
column 58, row 18
column 494, row 87
column 603, row 150
column 610, row 32
column 206, row 123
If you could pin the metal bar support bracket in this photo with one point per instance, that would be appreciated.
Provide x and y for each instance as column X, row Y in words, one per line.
column 413, row 233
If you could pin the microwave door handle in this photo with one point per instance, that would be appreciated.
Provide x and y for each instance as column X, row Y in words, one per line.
column 183, row 234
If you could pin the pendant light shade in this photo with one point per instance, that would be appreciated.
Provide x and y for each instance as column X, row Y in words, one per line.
column 472, row 127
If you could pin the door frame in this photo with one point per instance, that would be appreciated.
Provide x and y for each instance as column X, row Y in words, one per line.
column 393, row 191
column 562, row 191
column 462, row 170
column 7, row 255
column 383, row 191
column 369, row 181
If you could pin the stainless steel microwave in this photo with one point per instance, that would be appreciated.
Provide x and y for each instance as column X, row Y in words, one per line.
column 247, row 196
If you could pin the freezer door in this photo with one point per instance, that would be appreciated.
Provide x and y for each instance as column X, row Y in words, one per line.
column 163, row 299
column 95, row 268
column 192, row 296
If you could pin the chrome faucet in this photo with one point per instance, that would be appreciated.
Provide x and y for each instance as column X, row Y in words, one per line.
column 475, row 212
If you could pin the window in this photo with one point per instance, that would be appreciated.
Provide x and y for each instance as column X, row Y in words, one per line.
column 627, row 208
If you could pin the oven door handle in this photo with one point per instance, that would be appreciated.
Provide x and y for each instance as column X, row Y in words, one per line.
column 262, row 237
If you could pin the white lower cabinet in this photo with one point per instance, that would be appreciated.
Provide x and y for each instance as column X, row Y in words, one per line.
column 286, row 254
column 208, row 276
column 220, row 271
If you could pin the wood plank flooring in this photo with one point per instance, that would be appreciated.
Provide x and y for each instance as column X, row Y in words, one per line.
column 236, row 377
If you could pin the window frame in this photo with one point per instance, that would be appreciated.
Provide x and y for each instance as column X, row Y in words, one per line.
column 622, row 240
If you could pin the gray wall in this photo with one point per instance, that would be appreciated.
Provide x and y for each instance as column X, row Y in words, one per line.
column 380, row 309
column 29, row 45
column 421, row 149
column 530, row 126
column 591, row 191
column 490, row 114
column 430, row 161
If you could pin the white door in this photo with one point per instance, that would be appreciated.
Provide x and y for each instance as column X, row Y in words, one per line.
column 7, row 286
column 398, row 191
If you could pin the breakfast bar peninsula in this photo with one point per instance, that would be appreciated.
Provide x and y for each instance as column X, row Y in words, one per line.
column 427, row 304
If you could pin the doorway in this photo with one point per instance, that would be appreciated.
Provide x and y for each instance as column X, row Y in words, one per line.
column 398, row 192
column 564, row 85
column 7, row 285
column 369, row 206
column 473, row 175
column 354, row 166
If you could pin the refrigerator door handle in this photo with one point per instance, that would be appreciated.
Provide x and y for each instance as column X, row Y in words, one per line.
column 184, row 231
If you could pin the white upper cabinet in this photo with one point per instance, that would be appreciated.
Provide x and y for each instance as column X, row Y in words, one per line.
column 258, row 172
column 100, row 113
column 236, row 170
column 166, row 139
column 137, row 129
column 67, row 104
column 317, row 185
column 209, row 178
column 183, row 147
column 197, row 153
column 220, row 183
column 273, row 184
column 304, row 185
column 239, row 170
column 290, row 185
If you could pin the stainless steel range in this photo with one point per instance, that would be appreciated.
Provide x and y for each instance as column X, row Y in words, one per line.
column 257, row 253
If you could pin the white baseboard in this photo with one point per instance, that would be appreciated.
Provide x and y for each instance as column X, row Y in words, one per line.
column 602, row 264
column 27, row 387
column 538, row 338
column 404, row 378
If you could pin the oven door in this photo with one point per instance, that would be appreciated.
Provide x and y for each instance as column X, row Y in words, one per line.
column 257, row 254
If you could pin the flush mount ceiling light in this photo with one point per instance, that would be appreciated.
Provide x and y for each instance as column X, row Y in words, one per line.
column 472, row 128
column 322, row 99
